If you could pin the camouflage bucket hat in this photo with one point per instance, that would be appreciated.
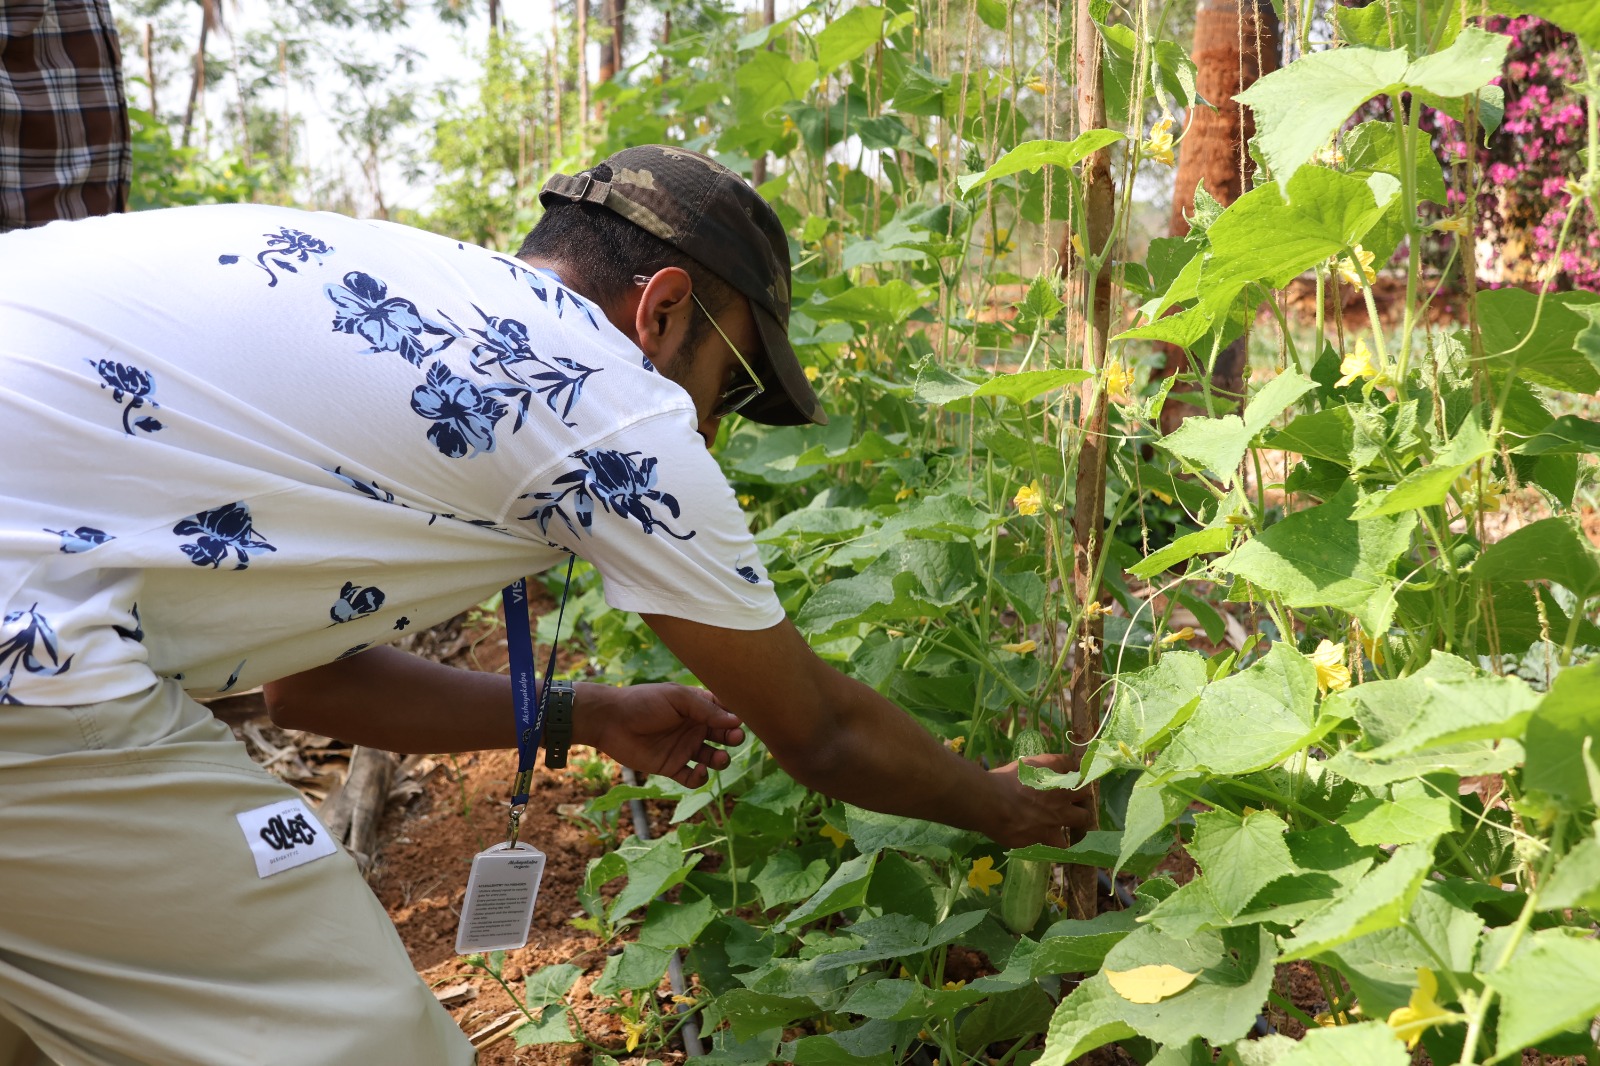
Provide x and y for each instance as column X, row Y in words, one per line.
column 707, row 211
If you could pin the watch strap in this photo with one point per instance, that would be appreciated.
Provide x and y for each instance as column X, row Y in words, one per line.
column 558, row 724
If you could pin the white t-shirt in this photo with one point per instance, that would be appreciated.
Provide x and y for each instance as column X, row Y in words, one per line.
column 242, row 441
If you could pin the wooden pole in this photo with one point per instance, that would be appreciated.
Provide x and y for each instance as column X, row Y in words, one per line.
column 150, row 65
column 583, row 67
column 1090, row 328
column 769, row 15
column 199, row 81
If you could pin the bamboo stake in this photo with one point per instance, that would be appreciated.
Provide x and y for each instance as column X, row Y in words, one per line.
column 150, row 65
column 1099, row 196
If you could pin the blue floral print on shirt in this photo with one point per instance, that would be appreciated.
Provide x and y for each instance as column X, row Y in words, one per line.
column 81, row 539
column 354, row 601
column 463, row 416
column 285, row 245
column 611, row 478
column 506, row 345
column 222, row 529
column 550, row 290
column 128, row 382
column 364, row 308
column 31, row 646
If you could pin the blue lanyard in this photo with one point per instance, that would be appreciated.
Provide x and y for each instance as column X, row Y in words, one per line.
column 529, row 712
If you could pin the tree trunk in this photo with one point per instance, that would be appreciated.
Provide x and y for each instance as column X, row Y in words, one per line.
column 150, row 65
column 616, row 18
column 583, row 65
column 769, row 15
column 1235, row 43
column 1090, row 327
column 553, row 95
column 199, row 81
column 494, row 18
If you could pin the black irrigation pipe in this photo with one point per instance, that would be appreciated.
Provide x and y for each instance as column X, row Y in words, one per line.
column 690, row 1029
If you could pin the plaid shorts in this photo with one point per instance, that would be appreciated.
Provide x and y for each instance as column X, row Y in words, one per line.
column 64, row 146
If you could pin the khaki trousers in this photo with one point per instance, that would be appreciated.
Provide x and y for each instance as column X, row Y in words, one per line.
column 134, row 928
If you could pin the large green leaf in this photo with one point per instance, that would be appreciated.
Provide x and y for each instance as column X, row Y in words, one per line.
column 1239, row 857
column 1442, row 712
column 1567, row 435
column 1248, row 721
column 1218, row 444
column 1536, row 337
column 1382, row 966
column 1575, row 882
column 891, row 303
column 1091, row 1016
column 1080, row 946
column 910, row 579
column 1375, row 146
column 1322, row 213
column 1379, row 901
column 1200, row 542
column 1031, row 155
column 1299, row 109
column 1319, row 557
column 1551, row 549
column 1350, row 435
column 849, row 36
column 1365, row 1044
column 1429, row 486
column 1409, row 819
column 1020, row 387
column 1566, row 719
column 1149, row 701
column 1580, row 17
column 845, row 889
column 871, row 831
column 1235, row 969
column 1548, row 988
column 768, row 80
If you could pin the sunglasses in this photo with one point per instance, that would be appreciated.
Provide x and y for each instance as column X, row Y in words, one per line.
column 740, row 393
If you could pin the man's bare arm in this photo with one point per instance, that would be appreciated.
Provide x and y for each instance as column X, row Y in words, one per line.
column 841, row 738
column 386, row 698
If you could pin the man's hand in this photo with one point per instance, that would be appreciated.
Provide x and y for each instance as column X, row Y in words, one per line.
column 657, row 729
column 1057, row 817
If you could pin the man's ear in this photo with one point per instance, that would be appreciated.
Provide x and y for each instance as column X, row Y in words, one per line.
column 663, row 315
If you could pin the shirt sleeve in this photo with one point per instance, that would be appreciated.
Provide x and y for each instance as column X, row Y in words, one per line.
column 651, row 510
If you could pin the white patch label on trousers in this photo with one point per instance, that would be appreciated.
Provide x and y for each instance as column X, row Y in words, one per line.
column 284, row 835
column 501, row 891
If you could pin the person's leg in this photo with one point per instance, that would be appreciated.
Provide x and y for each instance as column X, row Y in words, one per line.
column 137, row 930
column 15, row 1047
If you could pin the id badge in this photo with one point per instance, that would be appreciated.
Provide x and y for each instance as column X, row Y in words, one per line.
column 498, row 909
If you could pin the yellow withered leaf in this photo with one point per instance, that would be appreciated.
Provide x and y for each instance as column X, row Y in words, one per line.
column 1149, row 984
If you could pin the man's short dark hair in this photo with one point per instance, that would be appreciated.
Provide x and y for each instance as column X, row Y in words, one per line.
column 600, row 252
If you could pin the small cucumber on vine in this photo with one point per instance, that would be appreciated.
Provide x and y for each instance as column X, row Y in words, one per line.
column 1022, row 898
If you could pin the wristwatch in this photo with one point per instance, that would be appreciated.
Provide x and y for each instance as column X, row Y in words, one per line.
column 558, row 723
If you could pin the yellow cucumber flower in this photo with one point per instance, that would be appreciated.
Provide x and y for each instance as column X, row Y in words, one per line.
column 955, row 744
column 1373, row 646
column 1352, row 274
column 634, row 1031
column 1455, row 224
column 1159, row 145
column 1118, row 380
column 983, row 876
column 1423, row 1011
column 1179, row 636
column 1028, row 499
column 1023, row 647
column 1357, row 364
column 1479, row 497
column 838, row 836
column 1332, row 673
